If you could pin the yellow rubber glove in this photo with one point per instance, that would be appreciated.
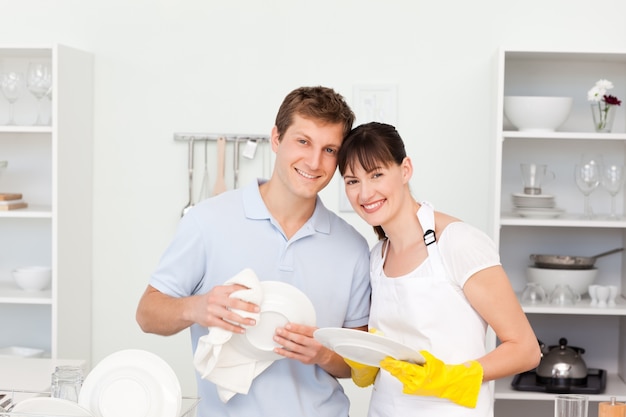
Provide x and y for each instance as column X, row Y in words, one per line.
column 458, row 383
column 362, row 375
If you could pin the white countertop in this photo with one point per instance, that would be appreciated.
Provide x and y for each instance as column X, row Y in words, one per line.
column 31, row 374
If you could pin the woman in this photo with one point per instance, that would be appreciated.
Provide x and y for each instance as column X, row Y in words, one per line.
column 437, row 283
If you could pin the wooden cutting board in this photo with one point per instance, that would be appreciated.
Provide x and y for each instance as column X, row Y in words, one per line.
column 10, row 196
column 13, row 206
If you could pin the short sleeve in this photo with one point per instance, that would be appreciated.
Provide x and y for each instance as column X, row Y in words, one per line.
column 466, row 250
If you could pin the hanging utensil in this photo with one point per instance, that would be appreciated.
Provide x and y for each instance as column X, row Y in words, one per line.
column 220, row 184
column 190, row 168
column 236, row 164
column 204, row 188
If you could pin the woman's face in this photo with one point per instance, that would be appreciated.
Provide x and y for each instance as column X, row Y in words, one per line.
column 377, row 195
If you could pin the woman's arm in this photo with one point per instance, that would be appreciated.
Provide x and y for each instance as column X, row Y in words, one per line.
column 491, row 295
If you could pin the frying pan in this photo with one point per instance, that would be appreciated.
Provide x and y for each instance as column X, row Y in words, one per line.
column 569, row 262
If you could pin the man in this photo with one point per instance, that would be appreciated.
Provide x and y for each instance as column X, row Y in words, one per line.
column 280, row 229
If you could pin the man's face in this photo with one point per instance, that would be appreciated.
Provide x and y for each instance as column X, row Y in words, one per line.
column 306, row 157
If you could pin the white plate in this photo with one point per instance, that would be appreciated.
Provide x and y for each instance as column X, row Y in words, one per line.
column 539, row 213
column 366, row 348
column 282, row 303
column 132, row 383
column 533, row 196
column 528, row 200
column 50, row 406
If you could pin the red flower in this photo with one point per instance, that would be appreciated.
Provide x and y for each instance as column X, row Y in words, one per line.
column 611, row 100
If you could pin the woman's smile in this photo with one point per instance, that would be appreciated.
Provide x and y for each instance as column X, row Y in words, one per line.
column 373, row 206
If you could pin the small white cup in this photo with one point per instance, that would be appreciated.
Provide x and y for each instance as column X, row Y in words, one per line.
column 592, row 293
column 612, row 295
column 603, row 292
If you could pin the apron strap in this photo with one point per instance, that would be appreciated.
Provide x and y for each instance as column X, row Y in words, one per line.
column 426, row 217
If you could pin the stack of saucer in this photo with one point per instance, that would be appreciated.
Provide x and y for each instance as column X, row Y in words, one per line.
column 535, row 205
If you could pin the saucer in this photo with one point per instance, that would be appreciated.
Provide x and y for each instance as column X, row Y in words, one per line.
column 282, row 303
column 539, row 213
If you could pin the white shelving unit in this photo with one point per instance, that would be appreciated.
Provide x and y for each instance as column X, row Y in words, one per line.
column 601, row 332
column 52, row 167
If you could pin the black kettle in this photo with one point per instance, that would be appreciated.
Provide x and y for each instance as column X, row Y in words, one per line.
column 561, row 367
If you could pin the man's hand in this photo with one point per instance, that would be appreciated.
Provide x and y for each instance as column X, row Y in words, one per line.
column 218, row 309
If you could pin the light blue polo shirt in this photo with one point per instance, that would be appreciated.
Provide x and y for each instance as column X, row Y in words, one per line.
column 327, row 259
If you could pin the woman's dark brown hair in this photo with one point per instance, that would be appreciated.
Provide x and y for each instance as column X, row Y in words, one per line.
column 371, row 145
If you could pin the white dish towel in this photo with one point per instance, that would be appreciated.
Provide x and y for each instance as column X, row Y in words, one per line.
column 219, row 362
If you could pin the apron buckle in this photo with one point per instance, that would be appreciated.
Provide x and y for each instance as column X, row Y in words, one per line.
column 430, row 237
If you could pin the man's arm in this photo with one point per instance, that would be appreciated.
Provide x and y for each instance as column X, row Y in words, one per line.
column 166, row 315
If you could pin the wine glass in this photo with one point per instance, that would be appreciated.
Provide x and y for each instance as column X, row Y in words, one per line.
column 613, row 181
column 39, row 81
column 588, row 175
column 11, row 84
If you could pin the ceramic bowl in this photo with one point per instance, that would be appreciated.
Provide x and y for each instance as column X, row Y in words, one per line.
column 537, row 114
column 33, row 278
column 578, row 280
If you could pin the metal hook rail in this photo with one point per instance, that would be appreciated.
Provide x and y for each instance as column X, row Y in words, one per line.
column 230, row 137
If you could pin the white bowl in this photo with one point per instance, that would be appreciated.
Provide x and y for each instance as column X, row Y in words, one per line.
column 578, row 279
column 33, row 278
column 537, row 114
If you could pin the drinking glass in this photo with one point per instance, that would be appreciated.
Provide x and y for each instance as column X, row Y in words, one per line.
column 39, row 81
column 11, row 84
column 613, row 181
column 66, row 382
column 533, row 294
column 588, row 174
column 571, row 405
column 563, row 295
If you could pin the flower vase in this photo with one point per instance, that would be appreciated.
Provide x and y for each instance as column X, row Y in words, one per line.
column 603, row 116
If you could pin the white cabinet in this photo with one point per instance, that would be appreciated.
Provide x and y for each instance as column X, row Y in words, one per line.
column 52, row 167
column 601, row 332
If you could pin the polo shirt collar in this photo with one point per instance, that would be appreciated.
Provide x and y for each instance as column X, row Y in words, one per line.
column 255, row 208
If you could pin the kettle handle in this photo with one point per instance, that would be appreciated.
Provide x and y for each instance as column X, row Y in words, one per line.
column 563, row 343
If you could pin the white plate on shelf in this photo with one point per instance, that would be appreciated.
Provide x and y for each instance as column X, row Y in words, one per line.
column 366, row 348
column 539, row 213
column 132, row 383
column 282, row 303
column 537, row 201
column 40, row 406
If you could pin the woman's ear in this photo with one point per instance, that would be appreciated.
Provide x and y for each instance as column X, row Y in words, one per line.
column 407, row 169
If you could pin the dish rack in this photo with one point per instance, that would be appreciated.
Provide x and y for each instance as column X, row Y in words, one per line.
column 188, row 407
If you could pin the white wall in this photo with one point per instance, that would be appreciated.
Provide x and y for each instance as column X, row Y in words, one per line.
column 202, row 65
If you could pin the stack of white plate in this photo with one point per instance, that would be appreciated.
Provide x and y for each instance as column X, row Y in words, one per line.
column 536, row 206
